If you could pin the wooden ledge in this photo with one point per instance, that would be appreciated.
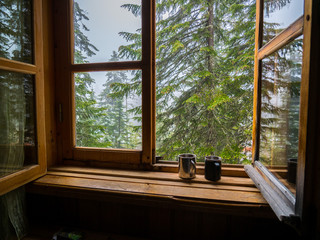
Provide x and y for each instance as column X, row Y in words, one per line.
column 228, row 193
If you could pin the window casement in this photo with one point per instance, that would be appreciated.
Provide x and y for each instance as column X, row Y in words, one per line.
column 23, row 145
column 288, row 57
column 66, row 70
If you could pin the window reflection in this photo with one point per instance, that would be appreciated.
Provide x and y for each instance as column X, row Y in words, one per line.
column 281, row 78
column 16, row 30
column 278, row 15
column 17, row 122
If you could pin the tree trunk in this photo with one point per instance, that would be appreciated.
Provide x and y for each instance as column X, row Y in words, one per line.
column 210, row 38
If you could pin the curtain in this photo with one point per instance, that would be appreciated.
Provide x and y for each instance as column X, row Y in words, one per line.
column 12, row 121
column 12, row 215
column 12, row 137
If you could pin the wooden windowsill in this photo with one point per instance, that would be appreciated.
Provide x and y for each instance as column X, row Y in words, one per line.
column 228, row 194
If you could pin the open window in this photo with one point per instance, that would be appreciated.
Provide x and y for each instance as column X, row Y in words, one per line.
column 280, row 104
column 180, row 79
column 22, row 126
column 97, row 122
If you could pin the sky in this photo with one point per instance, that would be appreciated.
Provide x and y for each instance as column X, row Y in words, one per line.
column 106, row 20
column 286, row 15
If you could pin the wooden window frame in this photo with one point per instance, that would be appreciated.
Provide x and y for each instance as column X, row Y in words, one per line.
column 287, row 208
column 65, row 68
column 68, row 153
column 31, row 172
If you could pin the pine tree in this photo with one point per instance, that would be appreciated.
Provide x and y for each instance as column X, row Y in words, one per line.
column 88, row 130
column 280, row 104
column 17, row 90
column 204, row 76
column 119, row 129
column 16, row 30
column 280, row 94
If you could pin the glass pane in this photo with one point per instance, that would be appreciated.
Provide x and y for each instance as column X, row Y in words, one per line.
column 17, row 122
column 281, row 78
column 16, row 30
column 102, row 27
column 108, row 109
column 278, row 15
column 204, row 81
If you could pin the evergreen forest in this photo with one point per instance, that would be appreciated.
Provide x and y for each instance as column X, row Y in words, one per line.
column 204, row 84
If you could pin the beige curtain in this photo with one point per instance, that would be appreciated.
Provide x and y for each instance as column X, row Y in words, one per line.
column 13, row 220
column 12, row 131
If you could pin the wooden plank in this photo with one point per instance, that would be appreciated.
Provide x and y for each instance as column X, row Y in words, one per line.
column 110, row 155
column 282, row 39
column 153, row 80
column 306, row 136
column 29, row 173
column 280, row 208
column 177, row 182
column 15, row 66
column 20, row 178
column 274, row 182
column 257, row 82
column 49, row 86
column 147, row 79
column 308, row 177
column 150, row 189
column 39, row 87
column 235, row 181
column 106, row 66
column 63, row 79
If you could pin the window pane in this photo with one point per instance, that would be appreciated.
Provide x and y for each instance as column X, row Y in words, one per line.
column 281, row 78
column 278, row 15
column 101, row 27
column 16, row 30
column 17, row 122
column 108, row 109
column 204, row 85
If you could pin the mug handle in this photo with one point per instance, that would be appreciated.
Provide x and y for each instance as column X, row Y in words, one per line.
column 193, row 163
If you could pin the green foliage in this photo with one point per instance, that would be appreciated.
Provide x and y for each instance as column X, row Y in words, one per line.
column 119, row 130
column 16, row 30
column 280, row 104
column 204, row 81
column 89, row 131
column 205, row 58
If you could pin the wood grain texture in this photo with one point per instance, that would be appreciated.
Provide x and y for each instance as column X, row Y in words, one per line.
column 29, row 173
column 106, row 66
column 280, row 208
column 229, row 190
column 282, row 39
column 308, row 177
column 15, row 66
column 123, row 156
column 234, row 181
column 19, row 178
column 49, row 85
column 257, row 82
column 39, row 87
column 147, row 83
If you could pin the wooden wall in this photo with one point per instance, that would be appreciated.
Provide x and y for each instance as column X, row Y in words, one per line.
column 150, row 221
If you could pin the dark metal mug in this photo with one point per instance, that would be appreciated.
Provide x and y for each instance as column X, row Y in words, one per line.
column 187, row 166
column 212, row 168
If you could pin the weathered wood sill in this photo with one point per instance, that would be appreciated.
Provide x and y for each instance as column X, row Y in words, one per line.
column 236, row 195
